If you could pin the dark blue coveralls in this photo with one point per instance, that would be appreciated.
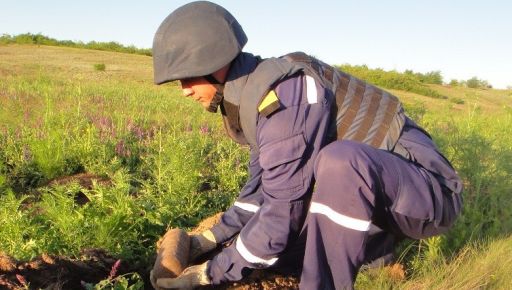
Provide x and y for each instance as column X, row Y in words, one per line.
column 335, row 191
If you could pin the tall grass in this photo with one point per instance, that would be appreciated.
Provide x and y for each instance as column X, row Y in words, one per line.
column 480, row 147
column 159, row 151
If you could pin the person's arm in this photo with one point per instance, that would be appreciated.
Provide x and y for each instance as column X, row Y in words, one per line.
column 246, row 205
column 288, row 140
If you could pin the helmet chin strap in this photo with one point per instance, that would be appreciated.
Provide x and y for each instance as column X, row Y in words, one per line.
column 217, row 98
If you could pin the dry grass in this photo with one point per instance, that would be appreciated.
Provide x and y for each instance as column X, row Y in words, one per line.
column 74, row 63
column 487, row 266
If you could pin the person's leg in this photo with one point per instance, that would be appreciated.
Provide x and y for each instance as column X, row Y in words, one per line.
column 379, row 250
column 355, row 184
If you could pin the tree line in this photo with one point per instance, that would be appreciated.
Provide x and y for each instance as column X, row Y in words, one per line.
column 39, row 39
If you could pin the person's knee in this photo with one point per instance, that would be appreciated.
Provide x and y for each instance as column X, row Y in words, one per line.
column 340, row 156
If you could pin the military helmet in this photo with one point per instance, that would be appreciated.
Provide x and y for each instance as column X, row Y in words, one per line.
column 196, row 39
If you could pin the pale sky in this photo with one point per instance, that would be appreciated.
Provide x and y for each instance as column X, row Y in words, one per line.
column 460, row 38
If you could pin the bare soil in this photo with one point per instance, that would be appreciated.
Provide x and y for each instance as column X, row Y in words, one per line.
column 93, row 265
column 57, row 272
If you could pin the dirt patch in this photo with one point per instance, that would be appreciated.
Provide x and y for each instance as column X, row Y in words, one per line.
column 207, row 223
column 93, row 265
column 263, row 280
column 85, row 180
column 57, row 272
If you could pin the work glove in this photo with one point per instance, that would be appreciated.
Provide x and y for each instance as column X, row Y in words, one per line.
column 201, row 244
column 191, row 277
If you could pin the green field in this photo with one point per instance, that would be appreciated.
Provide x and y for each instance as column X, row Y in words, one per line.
column 160, row 161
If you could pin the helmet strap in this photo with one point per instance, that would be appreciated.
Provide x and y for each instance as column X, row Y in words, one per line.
column 217, row 98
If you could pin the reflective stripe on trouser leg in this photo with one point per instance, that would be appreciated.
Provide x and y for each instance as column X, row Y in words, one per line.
column 339, row 217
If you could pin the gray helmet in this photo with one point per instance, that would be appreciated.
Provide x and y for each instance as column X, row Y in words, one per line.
column 196, row 39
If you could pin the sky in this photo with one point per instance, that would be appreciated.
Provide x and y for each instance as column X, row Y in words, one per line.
column 460, row 38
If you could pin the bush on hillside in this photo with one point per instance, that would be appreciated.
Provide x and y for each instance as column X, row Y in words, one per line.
column 433, row 77
column 454, row 83
column 407, row 81
column 476, row 83
column 99, row 66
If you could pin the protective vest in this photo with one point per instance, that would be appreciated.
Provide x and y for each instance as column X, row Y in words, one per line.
column 360, row 112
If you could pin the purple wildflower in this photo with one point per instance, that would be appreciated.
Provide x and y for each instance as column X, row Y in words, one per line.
column 121, row 149
column 204, row 129
column 115, row 268
column 138, row 132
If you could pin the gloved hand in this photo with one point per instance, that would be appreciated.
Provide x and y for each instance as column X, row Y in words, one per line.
column 201, row 244
column 190, row 278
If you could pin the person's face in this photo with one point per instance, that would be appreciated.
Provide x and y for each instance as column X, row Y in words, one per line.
column 200, row 89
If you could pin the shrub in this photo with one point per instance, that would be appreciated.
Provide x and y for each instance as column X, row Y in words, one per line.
column 454, row 83
column 407, row 81
column 458, row 101
column 433, row 77
column 99, row 66
column 476, row 83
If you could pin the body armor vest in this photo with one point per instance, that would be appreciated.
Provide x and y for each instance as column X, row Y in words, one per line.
column 360, row 112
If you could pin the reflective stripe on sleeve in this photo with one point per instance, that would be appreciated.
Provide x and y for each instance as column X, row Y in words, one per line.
column 247, row 206
column 249, row 257
column 311, row 91
column 342, row 220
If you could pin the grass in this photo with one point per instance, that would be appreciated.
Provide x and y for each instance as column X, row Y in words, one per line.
column 59, row 119
column 479, row 265
column 170, row 164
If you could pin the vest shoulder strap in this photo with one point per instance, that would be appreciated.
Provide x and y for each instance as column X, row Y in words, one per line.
column 362, row 112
